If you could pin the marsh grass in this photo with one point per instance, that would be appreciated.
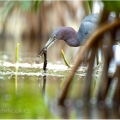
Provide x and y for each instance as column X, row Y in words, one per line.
column 16, row 68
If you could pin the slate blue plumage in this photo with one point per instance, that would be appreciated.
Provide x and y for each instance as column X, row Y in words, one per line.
column 73, row 38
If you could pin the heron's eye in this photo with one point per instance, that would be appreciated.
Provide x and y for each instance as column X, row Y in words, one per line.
column 54, row 37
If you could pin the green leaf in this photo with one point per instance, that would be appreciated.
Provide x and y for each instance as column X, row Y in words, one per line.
column 90, row 4
column 9, row 7
column 36, row 4
column 88, row 7
column 26, row 5
column 112, row 5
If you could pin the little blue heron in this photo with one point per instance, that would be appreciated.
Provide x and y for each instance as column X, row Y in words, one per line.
column 73, row 38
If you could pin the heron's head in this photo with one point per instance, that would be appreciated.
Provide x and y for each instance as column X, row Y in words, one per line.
column 62, row 33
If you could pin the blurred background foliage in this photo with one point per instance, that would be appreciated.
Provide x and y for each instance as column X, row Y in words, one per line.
column 31, row 22
column 25, row 6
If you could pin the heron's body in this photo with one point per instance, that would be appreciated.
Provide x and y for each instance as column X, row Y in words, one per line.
column 75, row 39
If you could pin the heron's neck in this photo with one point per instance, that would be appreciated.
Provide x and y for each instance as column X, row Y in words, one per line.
column 73, row 41
column 77, row 41
column 70, row 36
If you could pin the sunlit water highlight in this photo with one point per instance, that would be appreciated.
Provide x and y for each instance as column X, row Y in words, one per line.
column 37, row 69
column 8, row 68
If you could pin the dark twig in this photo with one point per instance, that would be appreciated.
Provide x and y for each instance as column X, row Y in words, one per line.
column 45, row 60
column 105, row 80
column 87, row 87
column 116, row 97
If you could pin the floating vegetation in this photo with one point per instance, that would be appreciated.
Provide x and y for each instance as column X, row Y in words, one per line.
column 64, row 58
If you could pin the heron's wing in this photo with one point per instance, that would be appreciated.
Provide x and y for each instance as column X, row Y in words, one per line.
column 87, row 27
column 92, row 18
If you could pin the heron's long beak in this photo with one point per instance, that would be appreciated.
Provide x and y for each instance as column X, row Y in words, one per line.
column 47, row 45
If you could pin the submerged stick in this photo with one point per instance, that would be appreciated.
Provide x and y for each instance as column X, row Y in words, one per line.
column 44, row 85
column 45, row 59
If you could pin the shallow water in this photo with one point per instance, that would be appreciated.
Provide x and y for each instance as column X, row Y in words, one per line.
column 23, row 90
column 28, row 92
